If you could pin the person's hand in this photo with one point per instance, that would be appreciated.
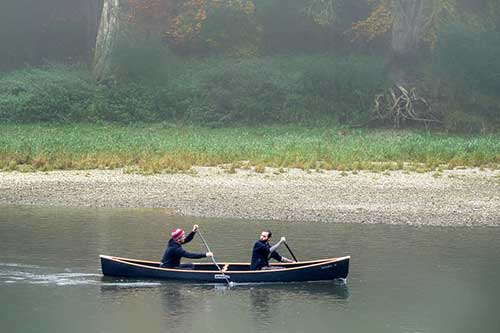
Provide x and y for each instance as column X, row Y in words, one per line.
column 195, row 228
column 209, row 254
column 283, row 239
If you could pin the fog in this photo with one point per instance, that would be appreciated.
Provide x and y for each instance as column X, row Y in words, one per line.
column 399, row 63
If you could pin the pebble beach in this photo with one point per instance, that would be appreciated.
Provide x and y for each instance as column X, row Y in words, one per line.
column 466, row 197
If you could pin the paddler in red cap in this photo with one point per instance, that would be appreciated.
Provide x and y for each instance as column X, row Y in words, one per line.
column 174, row 251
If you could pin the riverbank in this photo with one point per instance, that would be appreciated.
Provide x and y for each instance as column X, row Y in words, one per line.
column 160, row 148
column 448, row 198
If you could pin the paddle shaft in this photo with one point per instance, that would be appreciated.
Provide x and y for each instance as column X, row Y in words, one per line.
column 290, row 250
column 213, row 259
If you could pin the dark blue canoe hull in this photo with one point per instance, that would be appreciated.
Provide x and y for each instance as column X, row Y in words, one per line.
column 326, row 269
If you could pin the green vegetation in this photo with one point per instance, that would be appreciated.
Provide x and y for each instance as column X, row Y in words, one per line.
column 212, row 91
column 254, row 62
column 250, row 91
column 327, row 79
column 163, row 148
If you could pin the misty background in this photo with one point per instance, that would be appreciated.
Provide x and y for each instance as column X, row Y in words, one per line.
column 363, row 63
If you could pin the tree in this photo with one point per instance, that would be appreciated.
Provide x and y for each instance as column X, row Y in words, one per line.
column 35, row 32
column 111, row 27
column 408, row 23
column 91, row 16
column 413, row 23
column 214, row 26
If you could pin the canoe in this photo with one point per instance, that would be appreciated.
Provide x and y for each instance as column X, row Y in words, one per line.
column 316, row 270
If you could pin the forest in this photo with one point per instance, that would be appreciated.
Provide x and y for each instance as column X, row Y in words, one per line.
column 424, row 64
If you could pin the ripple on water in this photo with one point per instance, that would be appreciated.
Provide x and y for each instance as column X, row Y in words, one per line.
column 11, row 273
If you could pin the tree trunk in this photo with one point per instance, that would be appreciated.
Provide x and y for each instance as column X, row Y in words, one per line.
column 408, row 24
column 409, row 19
column 91, row 15
column 110, row 29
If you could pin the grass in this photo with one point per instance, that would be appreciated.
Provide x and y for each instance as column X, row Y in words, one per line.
column 163, row 148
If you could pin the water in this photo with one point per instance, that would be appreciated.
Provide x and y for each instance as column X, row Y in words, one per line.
column 402, row 279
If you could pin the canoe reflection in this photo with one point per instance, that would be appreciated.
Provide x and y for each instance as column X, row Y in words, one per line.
column 181, row 303
column 178, row 306
column 263, row 298
column 177, row 301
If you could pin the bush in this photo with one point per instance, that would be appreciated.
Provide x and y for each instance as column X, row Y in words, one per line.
column 52, row 93
column 306, row 89
column 469, row 63
column 125, row 103
column 343, row 89
column 248, row 91
column 145, row 59
column 214, row 91
column 463, row 121
column 471, row 59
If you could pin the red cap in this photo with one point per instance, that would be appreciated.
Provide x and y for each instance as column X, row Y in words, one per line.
column 177, row 233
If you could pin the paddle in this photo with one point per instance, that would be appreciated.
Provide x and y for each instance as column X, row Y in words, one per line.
column 290, row 250
column 213, row 259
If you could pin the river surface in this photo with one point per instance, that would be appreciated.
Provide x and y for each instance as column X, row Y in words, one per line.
column 402, row 279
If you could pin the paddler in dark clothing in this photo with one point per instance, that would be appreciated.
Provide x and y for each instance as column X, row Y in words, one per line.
column 174, row 251
column 262, row 251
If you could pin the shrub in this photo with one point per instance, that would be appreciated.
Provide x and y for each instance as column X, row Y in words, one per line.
column 213, row 91
column 51, row 93
column 124, row 103
column 145, row 59
column 343, row 89
column 246, row 91
column 469, row 63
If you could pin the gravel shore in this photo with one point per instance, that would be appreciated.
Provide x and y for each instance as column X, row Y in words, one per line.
column 451, row 198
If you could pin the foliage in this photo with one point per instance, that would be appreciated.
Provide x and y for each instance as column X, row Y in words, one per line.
column 140, row 57
column 323, row 12
column 124, row 103
column 150, row 16
column 343, row 89
column 470, row 63
column 52, row 93
column 236, row 91
column 223, row 91
column 303, row 89
column 377, row 24
column 439, row 16
column 214, row 25
column 216, row 91
column 286, row 30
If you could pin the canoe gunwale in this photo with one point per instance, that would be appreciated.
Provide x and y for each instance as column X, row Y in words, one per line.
column 307, row 264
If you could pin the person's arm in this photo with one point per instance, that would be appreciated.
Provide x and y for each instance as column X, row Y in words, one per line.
column 191, row 234
column 189, row 237
column 276, row 256
column 193, row 255
column 275, row 246
column 283, row 259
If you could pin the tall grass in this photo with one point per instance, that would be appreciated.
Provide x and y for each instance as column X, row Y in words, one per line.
column 162, row 148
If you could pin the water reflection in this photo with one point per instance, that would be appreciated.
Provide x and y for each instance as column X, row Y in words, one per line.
column 264, row 296
column 178, row 305
column 112, row 289
column 260, row 300
column 181, row 304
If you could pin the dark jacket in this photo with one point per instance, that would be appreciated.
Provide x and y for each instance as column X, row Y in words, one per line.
column 174, row 252
column 261, row 255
